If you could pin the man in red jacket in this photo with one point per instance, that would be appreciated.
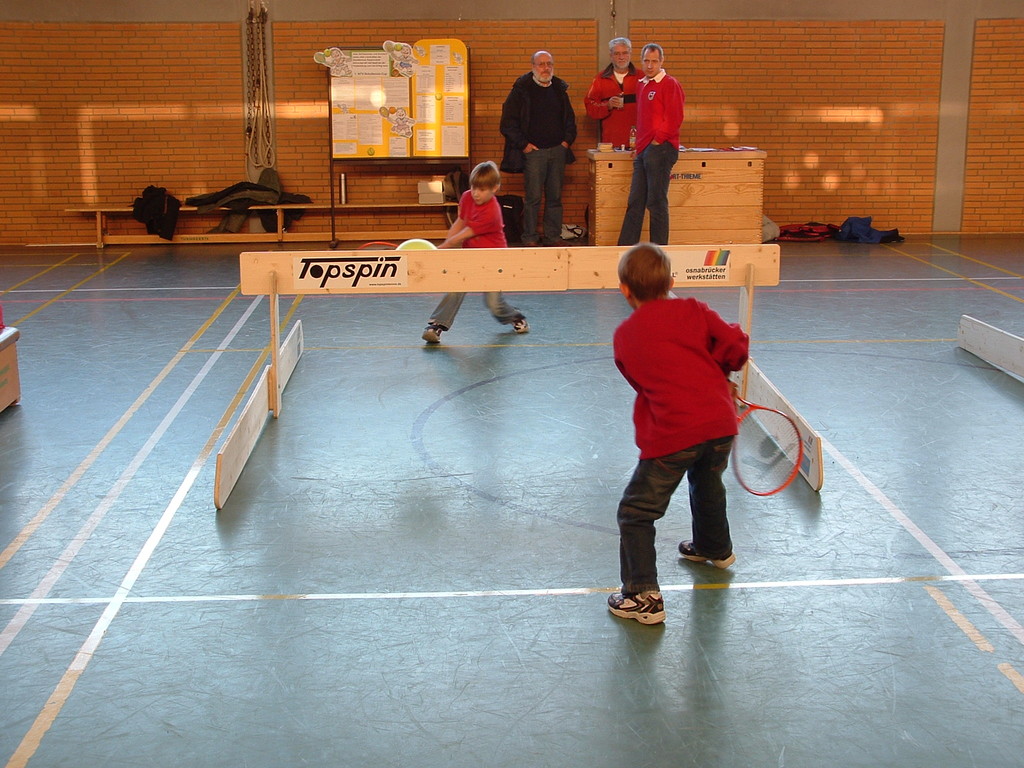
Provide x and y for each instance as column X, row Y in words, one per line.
column 612, row 96
column 676, row 354
column 659, row 114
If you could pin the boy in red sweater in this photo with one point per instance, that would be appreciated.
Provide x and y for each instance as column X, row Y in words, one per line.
column 676, row 354
column 479, row 225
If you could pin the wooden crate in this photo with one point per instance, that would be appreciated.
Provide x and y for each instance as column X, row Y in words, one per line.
column 10, row 382
column 714, row 197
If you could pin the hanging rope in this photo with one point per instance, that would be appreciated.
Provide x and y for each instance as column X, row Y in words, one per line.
column 259, row 125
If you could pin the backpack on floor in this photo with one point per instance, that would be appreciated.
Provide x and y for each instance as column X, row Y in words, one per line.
column 810, row 232
column 454, row 183
column 512, row 215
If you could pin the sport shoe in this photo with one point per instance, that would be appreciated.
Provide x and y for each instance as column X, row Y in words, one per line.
column 686, row 550
column 432, row 333
column 521, row 326
column 647, row 607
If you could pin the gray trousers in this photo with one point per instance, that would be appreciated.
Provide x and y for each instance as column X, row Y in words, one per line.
column 444, row 313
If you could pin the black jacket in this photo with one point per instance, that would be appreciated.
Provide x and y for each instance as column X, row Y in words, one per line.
column 158, row 211
column 238, row 198
column 515, row 119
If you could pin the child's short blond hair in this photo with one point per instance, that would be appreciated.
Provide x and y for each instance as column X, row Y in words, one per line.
column 647, row 271
column 485, row 176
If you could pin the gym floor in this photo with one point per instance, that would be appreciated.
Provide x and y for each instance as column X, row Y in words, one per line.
column 412, row 569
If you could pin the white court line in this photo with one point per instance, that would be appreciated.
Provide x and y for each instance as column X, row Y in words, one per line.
column 159, row 289
column 971, row 584
column 547, row 592
column 63, row 562
column 55, row 702
column 888, row 279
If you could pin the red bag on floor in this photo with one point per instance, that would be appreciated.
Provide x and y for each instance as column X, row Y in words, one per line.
column 810, row 232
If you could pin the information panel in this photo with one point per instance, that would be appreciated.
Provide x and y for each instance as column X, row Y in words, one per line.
column 401, row 100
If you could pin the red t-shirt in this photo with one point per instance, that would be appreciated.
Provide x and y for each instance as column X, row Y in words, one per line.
column 676, row 353
column 485, row 220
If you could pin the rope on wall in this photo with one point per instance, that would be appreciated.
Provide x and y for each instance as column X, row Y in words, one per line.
column 259, row 123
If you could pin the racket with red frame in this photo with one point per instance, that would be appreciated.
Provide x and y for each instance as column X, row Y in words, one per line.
column 768, row 449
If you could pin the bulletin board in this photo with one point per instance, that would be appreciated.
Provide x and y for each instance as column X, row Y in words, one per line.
column 401, row 100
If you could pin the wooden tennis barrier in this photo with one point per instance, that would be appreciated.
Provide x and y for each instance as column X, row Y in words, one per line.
column 756, row 388
column 471, row 270
column 993, row 345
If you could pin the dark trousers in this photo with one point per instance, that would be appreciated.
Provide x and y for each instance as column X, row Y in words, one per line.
column 647, row 497
column 648, row 190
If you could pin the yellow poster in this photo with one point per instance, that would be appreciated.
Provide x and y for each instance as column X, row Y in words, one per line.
column 401, row 100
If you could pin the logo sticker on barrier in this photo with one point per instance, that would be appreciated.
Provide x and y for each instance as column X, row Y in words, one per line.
column 347, row 272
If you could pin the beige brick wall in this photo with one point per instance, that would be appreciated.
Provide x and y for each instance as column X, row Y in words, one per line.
column 498, row 53
column 847, row 111
column 91, row 114
column 994, row 178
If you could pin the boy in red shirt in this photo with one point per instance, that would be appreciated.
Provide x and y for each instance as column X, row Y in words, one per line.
column 676, row 354
column 479, row 225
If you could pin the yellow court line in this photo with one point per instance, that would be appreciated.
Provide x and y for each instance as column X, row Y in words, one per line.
column 1013, row 675
column 977, row 261
column 959, row 619
column 37, row 275
column 62, row 692
column 72, row 480
column 970, row 280
column 73, row 288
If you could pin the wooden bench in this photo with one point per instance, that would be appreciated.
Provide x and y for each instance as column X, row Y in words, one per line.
column 10, row 383
column 105, row 237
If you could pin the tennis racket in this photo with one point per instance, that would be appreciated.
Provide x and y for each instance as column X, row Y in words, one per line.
column 768, row 449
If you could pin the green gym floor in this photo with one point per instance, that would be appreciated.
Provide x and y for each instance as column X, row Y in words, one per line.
column 412, row 570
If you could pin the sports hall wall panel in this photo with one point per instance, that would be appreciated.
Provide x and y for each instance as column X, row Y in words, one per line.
column 90, row 114
column 499, row 51
column 994, row 179
column 848, row 111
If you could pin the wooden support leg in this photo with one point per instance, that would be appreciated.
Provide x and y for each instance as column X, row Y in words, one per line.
column 746, row 315
column 274, row 392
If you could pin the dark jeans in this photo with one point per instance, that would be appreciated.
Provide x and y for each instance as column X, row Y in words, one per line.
column 647, row 497
column 543, row 175
column 652, row 171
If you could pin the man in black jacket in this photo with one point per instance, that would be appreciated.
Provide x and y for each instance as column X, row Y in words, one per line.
column 539, row 125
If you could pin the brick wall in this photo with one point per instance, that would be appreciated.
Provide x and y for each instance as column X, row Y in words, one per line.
column 848, row 112
column 994, row 174
column 498, row 53
column 93, row 113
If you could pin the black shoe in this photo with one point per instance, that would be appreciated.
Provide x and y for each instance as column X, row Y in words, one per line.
column 687, row 551
column 647, row 607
